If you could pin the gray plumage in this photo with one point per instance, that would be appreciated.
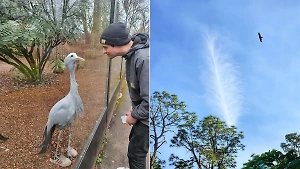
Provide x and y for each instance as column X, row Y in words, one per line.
column 65, row 111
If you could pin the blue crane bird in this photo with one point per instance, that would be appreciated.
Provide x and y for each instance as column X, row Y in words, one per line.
column 63, row 113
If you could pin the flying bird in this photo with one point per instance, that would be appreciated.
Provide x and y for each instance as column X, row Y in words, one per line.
column 62, row 114
column 3, row 138
column 260, row 37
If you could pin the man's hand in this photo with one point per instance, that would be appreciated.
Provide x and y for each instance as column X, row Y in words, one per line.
column 130, row 120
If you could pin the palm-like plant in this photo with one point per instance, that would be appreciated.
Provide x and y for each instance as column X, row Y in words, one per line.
column 33, row 31
column 58, row 65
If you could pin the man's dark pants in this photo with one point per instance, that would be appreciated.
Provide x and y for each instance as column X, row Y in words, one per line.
column 138, row 146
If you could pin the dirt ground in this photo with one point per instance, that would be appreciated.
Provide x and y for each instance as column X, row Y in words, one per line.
column 24, row 110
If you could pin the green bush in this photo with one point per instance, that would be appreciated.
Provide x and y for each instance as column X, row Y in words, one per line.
column 58, row 66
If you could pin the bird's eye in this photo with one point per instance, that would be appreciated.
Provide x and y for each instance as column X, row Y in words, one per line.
column 71, row 55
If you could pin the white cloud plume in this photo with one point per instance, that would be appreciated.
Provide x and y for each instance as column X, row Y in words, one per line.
column 221, row 79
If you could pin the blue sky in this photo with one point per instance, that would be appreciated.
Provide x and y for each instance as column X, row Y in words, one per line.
column 267, row 74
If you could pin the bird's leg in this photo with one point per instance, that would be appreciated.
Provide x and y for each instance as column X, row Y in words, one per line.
column 69, row 142
column 60, row 160
column 69, row 134
column 57, row 145
column 70, row 151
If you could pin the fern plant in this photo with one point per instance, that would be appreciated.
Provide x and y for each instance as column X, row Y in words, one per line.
column 58, row 66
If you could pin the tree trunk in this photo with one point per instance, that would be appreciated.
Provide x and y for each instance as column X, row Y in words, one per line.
column 96, row 17
column 117, row 15
column 85, row 29
column 153, row 158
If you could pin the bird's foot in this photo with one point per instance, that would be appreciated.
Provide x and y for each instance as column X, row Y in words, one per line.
column 61, row 161
column 71, row 152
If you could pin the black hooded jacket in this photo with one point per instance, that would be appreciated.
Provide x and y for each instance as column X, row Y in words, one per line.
column 137, row 76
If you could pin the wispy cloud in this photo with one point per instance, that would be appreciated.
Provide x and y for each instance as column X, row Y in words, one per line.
column 221, row 79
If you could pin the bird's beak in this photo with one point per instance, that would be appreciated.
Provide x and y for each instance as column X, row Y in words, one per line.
column 80, row 58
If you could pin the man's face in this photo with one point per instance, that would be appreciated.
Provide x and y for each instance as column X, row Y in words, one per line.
column 110, row 51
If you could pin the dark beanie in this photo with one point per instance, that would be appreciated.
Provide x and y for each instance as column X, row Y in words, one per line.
column 116, row 34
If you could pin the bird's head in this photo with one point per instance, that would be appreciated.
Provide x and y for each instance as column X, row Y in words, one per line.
column 71, row 59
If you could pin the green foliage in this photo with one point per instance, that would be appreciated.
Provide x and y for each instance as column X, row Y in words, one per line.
column 181, row 163
column 102, row 151
column 158, row 163
column 292, row 143
column 58, row 66
column 32, row 29
column 211, row 143
column 274, row 159
column 166, row 113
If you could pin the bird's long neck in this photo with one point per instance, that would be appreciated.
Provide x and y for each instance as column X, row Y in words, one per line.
column 74, row 93
column 74, row 85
